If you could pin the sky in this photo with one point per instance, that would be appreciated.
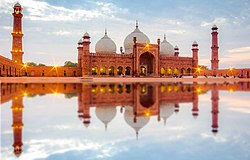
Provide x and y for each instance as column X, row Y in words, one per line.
column 52, row 28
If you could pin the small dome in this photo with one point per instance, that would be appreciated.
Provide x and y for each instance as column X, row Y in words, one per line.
column 17, row 5
column 176, row 47
column 80, row 41
column 105, row 114
column 195, row 42
column 86, row 34
column 166, row 111
column 105, row 45
column 214, row 27
column 166, row 48
column 129, row 40
column 140, row 121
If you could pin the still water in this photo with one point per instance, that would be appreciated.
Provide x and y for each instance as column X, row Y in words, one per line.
column 125, row 121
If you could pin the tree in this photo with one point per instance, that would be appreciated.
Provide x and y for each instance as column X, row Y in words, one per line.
column 31, row 64
column 40, row 64
column 202, row 67
column 70, row 64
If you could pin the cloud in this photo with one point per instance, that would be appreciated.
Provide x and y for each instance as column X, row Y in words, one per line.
column 43, row 11
column 217, row 21
column 240, row 50
column 63, row 33
column 235, row 57
column 237, row 104
column 6, row 27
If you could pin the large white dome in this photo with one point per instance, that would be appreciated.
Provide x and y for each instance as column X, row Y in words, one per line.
column 166, row 48
column 105, row 45
column 129, row 40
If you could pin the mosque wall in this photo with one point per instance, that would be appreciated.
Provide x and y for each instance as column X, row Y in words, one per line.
column 9, row 68
column 176, row 65
column 51, row 71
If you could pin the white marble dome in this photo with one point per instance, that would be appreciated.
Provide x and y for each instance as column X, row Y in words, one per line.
column 166, row 48
column 105, row 45
column 129, row 40
column 166, row 111
column 140, row 121
column 105, row 114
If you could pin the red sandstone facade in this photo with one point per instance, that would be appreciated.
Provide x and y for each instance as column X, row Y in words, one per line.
column 144, row 60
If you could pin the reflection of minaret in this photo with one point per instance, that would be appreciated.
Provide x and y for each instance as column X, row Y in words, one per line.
column 86, row 105
column 80, row 107
column 195, row 110
column 17, row 113
column 176, row 108
column 215, row 109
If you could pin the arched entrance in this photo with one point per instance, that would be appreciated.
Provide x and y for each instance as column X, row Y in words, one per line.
column 94, row 70
column 111, row 71
column 127, row 71
column 119, row 70
column 146, row 64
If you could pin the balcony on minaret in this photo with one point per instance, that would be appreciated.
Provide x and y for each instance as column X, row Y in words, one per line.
column 17, row 8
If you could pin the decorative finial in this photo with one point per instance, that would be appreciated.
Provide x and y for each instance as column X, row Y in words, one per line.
column 106, row 127
column 136, row 24
column 164, row 36
column 105, row 31
column 137, row 135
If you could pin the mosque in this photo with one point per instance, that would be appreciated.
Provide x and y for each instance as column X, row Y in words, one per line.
column 138, row 58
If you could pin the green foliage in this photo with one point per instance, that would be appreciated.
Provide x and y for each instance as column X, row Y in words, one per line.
column 31, row 64
column 70, row 64
column 70, row 95
column 203, row 67
column 40, row 64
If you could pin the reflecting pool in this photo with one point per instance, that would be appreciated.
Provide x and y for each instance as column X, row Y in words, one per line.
column 56, row 121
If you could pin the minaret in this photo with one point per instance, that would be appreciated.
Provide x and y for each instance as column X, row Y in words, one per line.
column 86, row 64
column 195, row 55
column 215, row 47
column 17, row 35
column 17, row 116
column 215, row 109
column 80, row 53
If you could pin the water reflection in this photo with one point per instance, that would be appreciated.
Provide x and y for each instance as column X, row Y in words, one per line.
column 138, row 102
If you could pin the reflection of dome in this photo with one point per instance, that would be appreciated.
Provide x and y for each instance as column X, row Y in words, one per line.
column 129, row 40
column 105, row 45
column 105, row 114
column 166, row 48
column 137, row 124
column 166, row 111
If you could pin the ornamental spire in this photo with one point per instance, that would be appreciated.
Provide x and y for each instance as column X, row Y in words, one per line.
column 136, row 25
